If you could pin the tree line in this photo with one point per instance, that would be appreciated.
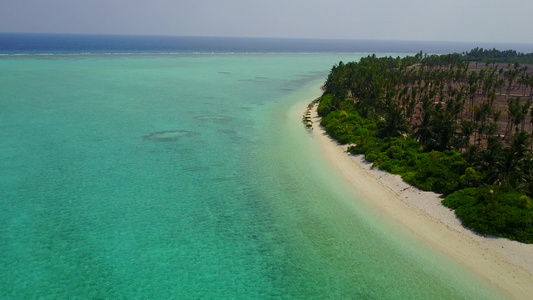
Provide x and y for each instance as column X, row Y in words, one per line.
column 445, row 124
column 494, row 55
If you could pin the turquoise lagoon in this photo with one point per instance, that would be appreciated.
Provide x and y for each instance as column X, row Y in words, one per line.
column 189, row 176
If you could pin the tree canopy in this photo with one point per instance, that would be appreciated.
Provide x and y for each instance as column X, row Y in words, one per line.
column 493, row 55
column 444, row 124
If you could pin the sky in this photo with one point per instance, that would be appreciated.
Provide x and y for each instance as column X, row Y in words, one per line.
column 418, row 20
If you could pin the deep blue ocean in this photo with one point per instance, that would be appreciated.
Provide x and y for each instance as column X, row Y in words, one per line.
column 19, row 43
column 178, row 168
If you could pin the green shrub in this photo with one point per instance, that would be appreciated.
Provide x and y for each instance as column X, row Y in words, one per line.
column 489, row 211
column 371, row 157
column 324, row 106
column 470, row 178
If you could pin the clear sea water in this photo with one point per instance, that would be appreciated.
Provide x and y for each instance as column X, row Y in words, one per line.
column 189, row 176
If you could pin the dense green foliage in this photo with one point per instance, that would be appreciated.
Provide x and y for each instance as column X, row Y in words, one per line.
column 434, row 122
column 493, row 55
column 490, row 211
column 430, row 171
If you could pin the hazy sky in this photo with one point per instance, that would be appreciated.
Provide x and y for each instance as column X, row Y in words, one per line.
column 444, row 20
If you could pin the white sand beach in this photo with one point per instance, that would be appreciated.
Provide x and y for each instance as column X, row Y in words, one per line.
column 508, row 265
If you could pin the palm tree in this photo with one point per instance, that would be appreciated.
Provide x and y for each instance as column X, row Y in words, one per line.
column 424, row 131
column 395, row 123
column 523, row 113
column 531, row 121
column 514, row 115
column 490, row 159
column 467, row 129
column 511, row 168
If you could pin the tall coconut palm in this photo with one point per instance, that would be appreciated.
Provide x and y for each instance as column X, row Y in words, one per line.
column 395, row 123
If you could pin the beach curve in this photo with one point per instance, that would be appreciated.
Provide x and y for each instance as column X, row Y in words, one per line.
column 505, row 264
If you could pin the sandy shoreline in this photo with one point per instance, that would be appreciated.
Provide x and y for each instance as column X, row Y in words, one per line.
column 506, row 264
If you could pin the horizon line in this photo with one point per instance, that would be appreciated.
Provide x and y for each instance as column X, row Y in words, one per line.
column 265, row 38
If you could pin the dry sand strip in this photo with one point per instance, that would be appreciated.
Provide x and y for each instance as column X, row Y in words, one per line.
column 506, row 264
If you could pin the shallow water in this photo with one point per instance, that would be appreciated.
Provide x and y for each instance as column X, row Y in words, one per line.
column 188, row 176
